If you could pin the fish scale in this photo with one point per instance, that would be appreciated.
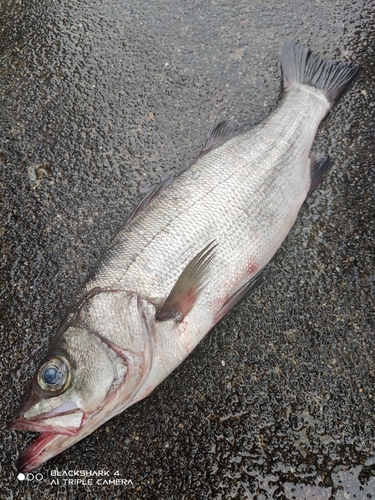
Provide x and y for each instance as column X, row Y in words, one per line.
column 193, row 248
column 244, row 161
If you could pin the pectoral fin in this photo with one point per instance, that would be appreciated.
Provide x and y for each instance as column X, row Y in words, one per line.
column 189, row 285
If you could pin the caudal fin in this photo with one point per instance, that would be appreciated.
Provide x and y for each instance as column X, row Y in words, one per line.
column 300, row 65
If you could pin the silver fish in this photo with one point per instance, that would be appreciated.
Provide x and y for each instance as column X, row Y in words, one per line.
column 194, row 248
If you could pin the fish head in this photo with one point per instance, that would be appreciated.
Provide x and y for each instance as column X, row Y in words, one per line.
column 94, row 369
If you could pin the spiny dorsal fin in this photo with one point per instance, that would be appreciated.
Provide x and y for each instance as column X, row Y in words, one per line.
column 151, row 195
column 318, row 167
column 220, row 134
column 189, row 285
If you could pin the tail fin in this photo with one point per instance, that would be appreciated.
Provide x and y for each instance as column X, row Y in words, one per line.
column 303, row 66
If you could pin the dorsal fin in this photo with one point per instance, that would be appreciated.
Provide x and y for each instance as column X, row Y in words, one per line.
column 151, row 195
column 220, row 134
column 189, row 285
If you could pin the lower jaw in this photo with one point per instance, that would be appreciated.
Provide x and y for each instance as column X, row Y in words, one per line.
column 29, row 459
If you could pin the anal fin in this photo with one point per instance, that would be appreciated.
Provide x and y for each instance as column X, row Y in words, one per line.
column 189, row 285
column 318, row 167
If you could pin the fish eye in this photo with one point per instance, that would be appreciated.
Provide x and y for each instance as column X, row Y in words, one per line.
column 55, row 374
column 51, row 375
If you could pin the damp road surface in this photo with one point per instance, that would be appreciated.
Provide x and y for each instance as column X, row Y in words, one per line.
column 99, row 102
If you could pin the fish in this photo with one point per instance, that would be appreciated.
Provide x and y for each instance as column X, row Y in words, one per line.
column 195, row 247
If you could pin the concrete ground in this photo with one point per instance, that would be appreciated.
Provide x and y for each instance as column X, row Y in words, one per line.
column 99, row 101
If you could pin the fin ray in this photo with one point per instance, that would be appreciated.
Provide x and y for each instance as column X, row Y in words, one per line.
column 189, row 285
column 220, row 134
column 318, row 167
column 151, row 195
column 301, row 65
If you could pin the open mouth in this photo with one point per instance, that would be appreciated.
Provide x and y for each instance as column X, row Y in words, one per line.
column 57, row 426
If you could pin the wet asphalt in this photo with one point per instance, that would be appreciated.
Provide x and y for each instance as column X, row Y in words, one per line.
column 99, row 102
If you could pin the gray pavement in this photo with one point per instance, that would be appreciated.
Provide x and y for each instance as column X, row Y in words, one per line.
column 99, row 101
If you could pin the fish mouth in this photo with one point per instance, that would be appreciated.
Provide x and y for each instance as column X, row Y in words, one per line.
column 53, row 438
column 50, row 443
column 57, row 426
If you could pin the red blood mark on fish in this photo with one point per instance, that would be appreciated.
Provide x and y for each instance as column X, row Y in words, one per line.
column 252, row 268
